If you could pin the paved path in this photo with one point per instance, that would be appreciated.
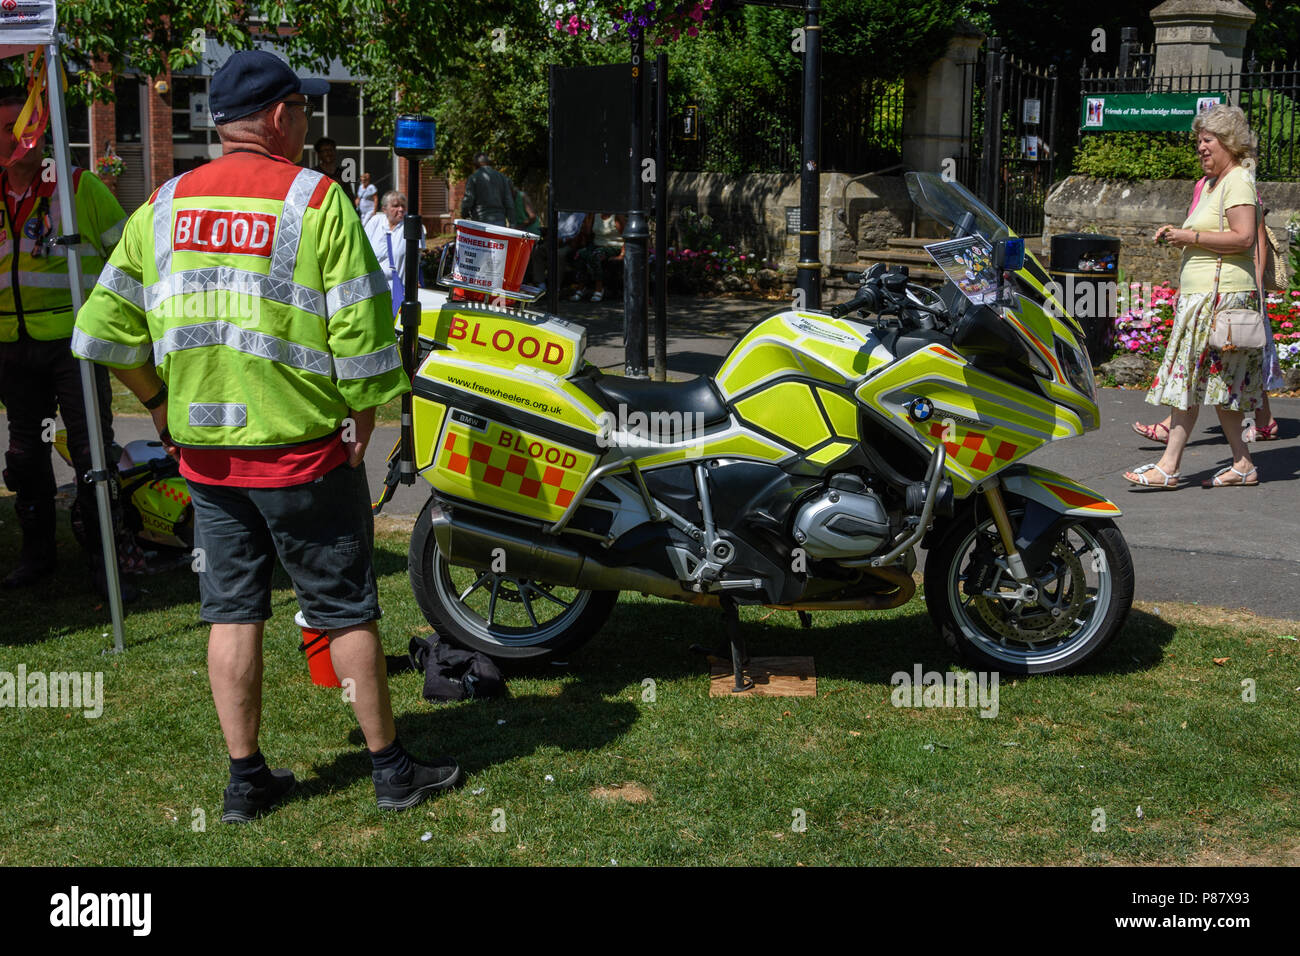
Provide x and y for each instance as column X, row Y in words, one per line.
column 1229, row 547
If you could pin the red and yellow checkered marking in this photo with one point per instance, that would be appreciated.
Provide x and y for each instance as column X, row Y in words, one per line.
column 975, row 450
column 504, row 469
column 171, row 492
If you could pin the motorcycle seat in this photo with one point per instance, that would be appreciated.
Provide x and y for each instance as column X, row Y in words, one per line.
column 641, row 395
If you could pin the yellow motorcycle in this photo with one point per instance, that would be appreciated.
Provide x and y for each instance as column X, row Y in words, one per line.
column 802, row 475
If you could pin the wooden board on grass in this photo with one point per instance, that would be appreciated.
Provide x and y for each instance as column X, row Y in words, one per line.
column 772, row 677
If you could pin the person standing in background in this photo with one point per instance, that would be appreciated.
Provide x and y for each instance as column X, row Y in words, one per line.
column 38, row 372
column 384, row 230
column 327, row 162
column 366, row 198
column 489, row 194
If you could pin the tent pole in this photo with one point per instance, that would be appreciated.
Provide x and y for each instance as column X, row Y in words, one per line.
column 67, row 203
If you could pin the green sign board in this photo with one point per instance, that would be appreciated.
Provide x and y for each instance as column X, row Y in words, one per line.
column 1103, row 112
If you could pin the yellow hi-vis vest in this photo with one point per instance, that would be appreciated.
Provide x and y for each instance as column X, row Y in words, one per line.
column 35, row 288
column 252, row 284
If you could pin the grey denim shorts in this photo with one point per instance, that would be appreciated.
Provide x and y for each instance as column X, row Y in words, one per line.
column 322, row 531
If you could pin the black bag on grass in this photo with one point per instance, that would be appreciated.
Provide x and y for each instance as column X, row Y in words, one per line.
column 452, row 673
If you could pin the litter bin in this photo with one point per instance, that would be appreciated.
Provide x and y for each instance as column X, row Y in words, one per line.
column 1086, row 267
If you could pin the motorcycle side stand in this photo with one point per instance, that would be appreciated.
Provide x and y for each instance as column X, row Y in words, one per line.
column 739, row 656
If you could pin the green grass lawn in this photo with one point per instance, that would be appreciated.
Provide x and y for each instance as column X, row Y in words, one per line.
column 682, row 779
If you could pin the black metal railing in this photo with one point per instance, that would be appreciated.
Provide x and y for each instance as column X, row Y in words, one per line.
column 862, row 129
column 1269, row 96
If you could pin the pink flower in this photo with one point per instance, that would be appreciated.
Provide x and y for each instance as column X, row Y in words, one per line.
column 697, row 14
column 692, row 32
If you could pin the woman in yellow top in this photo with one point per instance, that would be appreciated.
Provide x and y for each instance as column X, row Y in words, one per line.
column 1192, row 373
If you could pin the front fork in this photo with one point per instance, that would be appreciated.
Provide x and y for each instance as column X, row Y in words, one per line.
column 1028, row 590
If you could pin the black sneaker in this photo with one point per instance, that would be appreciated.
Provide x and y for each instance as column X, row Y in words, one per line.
column 396, row 791
column 244, row 801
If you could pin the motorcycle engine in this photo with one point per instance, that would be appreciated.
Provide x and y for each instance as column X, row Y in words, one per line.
column 847, row 520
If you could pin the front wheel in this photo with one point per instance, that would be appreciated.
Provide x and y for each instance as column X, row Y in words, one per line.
column 507, row 618
column 1082, row 595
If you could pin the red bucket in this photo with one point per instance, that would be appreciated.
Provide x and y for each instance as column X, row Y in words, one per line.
column 316, row 644
column 490, row 258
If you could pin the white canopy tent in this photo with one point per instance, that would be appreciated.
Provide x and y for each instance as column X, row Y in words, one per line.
column 27, row 26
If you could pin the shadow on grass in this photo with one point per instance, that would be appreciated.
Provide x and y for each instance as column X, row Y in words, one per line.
column 481, row 734
column 656, row 638
column 651, row 639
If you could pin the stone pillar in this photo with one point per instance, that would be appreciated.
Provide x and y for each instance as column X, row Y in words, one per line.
column 935, row 124
column 1200, row 36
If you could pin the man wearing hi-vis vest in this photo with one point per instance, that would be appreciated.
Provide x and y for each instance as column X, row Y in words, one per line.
column 246, row 310
column 38, row 373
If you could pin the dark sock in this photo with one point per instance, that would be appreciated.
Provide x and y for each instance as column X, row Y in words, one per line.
column 393, row 757
column 252, row 769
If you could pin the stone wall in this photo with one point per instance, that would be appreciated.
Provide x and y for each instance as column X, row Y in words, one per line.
column 1133, row 212
column 751, row 212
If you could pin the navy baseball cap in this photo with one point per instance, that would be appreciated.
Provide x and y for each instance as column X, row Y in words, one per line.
column 252, row 80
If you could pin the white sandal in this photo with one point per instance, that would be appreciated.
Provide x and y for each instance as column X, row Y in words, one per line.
column 1215, row 482
column 1170, row 482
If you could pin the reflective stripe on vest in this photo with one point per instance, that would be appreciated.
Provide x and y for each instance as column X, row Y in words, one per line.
column 53, row 280
column 115, row 280
column 247, row 341
column 373, row 363
column 114, row 353
column 355, row 290
column 218, row 414
column 162, row 227
column 237, row 282
column 285, row 254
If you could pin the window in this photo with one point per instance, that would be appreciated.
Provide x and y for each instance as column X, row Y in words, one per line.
column 346, row 120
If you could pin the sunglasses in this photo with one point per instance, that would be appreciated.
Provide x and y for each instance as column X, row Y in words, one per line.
column 307, row 109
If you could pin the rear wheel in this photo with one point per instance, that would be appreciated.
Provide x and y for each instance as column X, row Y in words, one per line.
column 1082, row 595
column 505, row 617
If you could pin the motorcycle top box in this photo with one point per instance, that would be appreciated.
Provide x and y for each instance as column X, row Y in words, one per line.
column 803, row 475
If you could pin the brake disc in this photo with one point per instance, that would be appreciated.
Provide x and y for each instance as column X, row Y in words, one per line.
column 1052, row 615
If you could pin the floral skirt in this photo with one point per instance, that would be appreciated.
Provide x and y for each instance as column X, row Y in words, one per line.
column 1192, row 373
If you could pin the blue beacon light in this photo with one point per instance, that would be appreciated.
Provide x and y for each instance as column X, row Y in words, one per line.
column 415, row 136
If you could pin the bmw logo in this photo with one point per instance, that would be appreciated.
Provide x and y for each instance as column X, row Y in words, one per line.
column 920, row 409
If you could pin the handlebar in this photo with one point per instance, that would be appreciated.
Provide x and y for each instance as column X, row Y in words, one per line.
column 884, row 293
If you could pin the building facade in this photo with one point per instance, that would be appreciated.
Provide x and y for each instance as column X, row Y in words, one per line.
column 160, row 126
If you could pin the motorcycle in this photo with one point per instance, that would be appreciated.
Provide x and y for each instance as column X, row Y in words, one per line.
column 156, row 509
column 802, row 475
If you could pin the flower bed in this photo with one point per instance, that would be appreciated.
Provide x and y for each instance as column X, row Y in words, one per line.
column 705, row 263
column 1143, row 328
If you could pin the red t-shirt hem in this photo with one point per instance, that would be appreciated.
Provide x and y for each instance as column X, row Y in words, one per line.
column 263, row 467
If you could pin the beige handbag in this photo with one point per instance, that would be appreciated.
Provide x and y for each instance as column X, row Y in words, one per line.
column 1237, row 328
column 1272, row 255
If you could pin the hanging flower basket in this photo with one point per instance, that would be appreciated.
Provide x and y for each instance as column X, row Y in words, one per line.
column 110, row 165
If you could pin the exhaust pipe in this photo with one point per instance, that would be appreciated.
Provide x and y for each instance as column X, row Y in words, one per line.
column 480, row 541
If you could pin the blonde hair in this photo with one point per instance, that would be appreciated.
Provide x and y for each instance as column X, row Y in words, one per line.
column 1229, row 126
